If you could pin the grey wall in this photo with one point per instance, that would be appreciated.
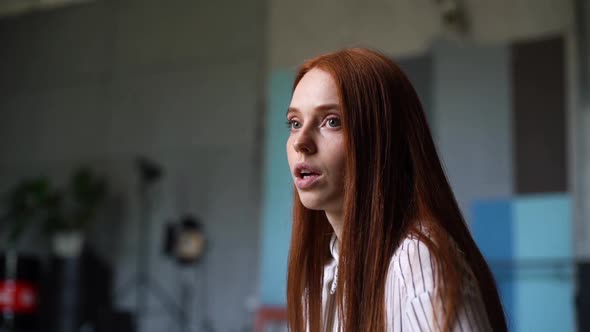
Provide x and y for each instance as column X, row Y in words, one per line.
column 580, row 154
column 419, row 71
column 473, row 119
column 105, row 82
column 580, row 123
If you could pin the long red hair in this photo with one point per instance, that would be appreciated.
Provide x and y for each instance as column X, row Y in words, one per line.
column 395, row 186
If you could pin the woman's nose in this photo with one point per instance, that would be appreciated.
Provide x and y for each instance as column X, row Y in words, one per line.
column 305, row 144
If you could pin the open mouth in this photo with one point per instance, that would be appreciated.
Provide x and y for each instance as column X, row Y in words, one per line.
column 305, row 174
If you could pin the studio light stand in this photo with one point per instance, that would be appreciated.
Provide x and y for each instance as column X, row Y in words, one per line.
column 143, row 284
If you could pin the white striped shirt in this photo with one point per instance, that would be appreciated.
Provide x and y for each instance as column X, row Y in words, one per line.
column 410, row 293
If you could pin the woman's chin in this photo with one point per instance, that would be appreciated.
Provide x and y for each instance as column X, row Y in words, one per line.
column 310, row 202
column 321, row 201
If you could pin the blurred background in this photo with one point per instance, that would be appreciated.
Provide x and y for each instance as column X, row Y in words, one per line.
column 143, row 179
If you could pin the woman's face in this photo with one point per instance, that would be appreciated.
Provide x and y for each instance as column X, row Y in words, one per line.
column 315, row 149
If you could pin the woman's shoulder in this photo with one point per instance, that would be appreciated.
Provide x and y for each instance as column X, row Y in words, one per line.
column 412, row 266
column 411, row 288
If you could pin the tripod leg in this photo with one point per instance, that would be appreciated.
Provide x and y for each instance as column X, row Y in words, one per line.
column 167, row 301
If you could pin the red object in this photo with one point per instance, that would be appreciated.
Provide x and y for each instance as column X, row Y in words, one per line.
column 18, row 296
column 266, row 315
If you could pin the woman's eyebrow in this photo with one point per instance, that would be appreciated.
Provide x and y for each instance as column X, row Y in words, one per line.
column 322, row 108
column 328, row 107
column 292, row 110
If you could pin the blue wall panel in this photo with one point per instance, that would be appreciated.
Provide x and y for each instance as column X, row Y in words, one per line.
column 543, row 244
column 277, row 195
column 543, row 226
column 527, row 241
column 491, row 226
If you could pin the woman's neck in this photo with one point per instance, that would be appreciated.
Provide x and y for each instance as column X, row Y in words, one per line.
column 336, row 219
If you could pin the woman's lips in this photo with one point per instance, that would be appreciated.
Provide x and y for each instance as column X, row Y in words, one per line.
column 306, row 175
column 307, row 181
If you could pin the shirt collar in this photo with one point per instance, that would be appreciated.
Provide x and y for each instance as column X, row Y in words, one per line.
column 334, row 247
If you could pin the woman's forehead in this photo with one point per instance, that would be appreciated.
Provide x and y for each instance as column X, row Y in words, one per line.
column 316, row 88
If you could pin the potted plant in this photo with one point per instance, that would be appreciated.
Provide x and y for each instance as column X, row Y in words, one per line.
column 70, row 211
column 23, row 205
column 64, row 213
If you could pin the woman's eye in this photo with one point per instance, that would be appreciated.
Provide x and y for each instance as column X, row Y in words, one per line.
column 333, row 122
column 292, row 124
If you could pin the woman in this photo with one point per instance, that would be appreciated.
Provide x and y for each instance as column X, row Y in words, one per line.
column 378, row 241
